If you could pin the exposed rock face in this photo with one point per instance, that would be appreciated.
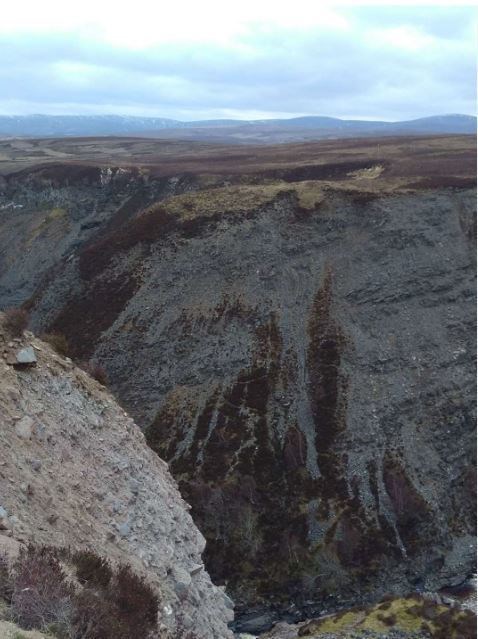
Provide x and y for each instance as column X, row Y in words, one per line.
column 51, row 211
column 307, row 370
column 75, row 471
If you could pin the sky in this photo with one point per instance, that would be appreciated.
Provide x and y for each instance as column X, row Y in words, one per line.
column 248, row 59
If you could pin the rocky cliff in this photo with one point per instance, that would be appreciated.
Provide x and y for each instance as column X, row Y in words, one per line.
column 76, row 473
column 297, row 344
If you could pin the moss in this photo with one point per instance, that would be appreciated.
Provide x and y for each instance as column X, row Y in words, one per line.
column 403, row 614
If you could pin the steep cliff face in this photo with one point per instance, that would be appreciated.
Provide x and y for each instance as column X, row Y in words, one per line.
column 301, row 353
column 47, row 213
column 76, row 473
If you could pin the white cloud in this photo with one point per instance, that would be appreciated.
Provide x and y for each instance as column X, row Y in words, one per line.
column 146, row 22
column 218, row 59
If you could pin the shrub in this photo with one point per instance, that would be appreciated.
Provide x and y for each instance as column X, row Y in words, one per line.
column 127, row 607
column 96, row 371
column 94, row 617
column 16, row 321
column 58, row 342
column 41, row 594
column 91, row 569
column 136, row 601
column 103, row 604
column 6, row 586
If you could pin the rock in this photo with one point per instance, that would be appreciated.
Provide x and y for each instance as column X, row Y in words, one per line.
column 40, row 431
column 228, row 601
column 26, row 357
column 282, row 630
column 257, row 622
column 124, row 529
column 4, row 523
column 134, row 485
column 36, row 464
column 382, row 288
column 195, row 569
column 181, row 580
column 24, row 427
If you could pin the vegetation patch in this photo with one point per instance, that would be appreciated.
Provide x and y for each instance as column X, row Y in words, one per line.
column 412, row 614
column 96, row 371
column 58, row 342
column 410, row 508
column 56, row 220
column 16, row 321
column 78, row 596
column 189, row 215
column 327, row 392
column 353, row 540
column 84, row 318
column 329, row 171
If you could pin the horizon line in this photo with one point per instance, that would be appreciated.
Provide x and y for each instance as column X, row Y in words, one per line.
column 219, row 119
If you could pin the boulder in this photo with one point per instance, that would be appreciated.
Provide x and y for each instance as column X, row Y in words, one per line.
column 4, row 523
column 24, row 427
column 25, row 357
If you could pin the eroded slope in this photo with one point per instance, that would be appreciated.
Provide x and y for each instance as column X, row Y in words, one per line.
column 76, row 473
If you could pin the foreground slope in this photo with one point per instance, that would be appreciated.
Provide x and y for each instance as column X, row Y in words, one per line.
column 296, row 340
column 76, row 472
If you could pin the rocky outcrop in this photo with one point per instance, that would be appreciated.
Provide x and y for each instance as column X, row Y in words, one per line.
column 301, row 354
column 76, row 473
column 49, row 212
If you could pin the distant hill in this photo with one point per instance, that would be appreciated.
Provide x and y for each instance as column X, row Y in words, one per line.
column 78, row 125
column 241, row 131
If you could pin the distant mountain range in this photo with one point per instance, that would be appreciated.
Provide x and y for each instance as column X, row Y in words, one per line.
column 274, row 130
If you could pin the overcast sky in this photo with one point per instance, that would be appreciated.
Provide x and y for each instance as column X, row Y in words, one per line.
column 248, row 59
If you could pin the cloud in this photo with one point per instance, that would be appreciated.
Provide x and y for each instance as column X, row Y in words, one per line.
column 393, row 63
